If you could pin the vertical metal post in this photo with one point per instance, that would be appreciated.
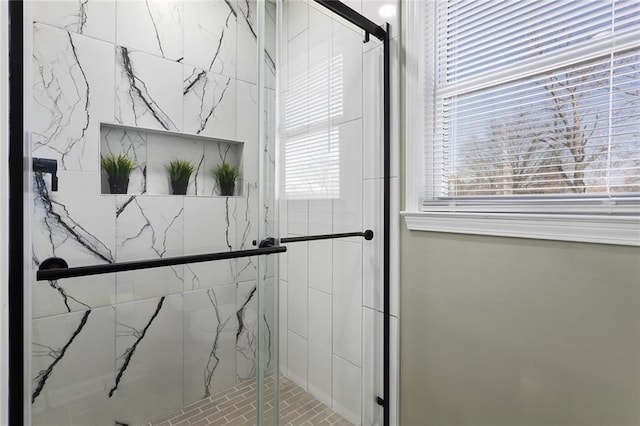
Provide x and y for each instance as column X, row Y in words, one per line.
column 16, row 225
column 387, row 223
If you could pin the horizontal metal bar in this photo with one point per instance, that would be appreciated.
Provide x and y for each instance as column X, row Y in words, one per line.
column 80, row 271
column 354, row 17
column 368, row 235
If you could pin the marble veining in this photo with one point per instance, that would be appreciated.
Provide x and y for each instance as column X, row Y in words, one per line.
column 61, row 227
column 68, row 69
column 140, row 99
column 246, row 339
column 214, row 358
column 209, row 103
column 56, row 354
column 100, row 340
column 127, row 330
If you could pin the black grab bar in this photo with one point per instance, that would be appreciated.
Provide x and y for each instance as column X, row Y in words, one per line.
column 368, row 235
column 55, row 268
column 271, row 242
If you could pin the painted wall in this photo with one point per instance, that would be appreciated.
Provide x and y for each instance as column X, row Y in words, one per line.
column 331, row 291
column 130, row 346
column 508, row 331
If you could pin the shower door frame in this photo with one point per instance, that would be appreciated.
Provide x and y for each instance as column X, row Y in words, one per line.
column 18, row 167
column 17, row 377
column 382, row 33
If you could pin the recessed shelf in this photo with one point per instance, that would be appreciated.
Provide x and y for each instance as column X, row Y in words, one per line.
column 153, row 149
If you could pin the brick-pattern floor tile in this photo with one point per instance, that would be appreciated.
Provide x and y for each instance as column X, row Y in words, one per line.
column 236, row 406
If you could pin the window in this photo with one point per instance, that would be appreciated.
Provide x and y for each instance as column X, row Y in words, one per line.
column 529, row 107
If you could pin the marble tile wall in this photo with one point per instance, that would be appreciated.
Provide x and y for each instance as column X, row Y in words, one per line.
column 127, row 347
column 331, row 329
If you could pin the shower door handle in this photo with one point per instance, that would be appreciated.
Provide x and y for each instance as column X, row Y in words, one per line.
column 271, row 242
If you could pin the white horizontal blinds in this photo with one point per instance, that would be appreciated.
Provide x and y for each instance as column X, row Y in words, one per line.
column 508, row 121
column 313, row 98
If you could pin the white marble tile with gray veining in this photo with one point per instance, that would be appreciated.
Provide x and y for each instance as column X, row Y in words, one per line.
column 148, row 90
column 149, row 228
column 154, row 27
column 72, row 90
column 209, row 104
column 210, row 325
column 210, row 36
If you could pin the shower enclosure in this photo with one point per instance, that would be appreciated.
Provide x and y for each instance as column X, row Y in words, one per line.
column 145, row 305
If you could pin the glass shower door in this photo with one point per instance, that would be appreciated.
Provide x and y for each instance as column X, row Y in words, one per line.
column 142, row 85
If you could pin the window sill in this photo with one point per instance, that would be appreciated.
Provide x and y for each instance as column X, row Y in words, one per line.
column 620, row 230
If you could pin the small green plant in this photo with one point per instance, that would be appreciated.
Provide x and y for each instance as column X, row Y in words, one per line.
column 119, row 166
column 225, row 173
column 180, row 170
column 226, row 176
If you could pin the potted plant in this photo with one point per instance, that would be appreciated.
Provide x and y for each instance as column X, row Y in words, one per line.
column 179, row 172
column 226, row 175
column 118, row 168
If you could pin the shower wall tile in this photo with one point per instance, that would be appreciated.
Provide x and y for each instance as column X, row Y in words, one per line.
column 210, row 36
column 247, row 62
column 297, row 359
column 127, row 142
column 347, row 210
column 298, row 217
column 283, row 330
column 73, row 360
column 246, row 217
column 72, row 92
column 297, row 291
column 209, row 227
column 93, row 18
column 209, row 103
column 372, row 365
column 149, row 359
column 320, row 216
column 347, row 390
column 321, row 265
column 64, row 227
column 347, row 301
column 148, row 228
column 247, row 128
column 297, row 16
column 148, row 90
column 247, row 341
column 269, row 319
column 210, row 326
column 296, row 102
column 170, row 65
column 154, row 27
column 372, row 251
column 346, row 74
column 373, row 113
column 319, row 344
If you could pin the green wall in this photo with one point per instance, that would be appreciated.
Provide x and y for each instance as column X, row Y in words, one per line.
column 506, row 331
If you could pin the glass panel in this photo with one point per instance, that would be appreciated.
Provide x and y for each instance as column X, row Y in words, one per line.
column 268, row 276
column 122, row 91
column 330, row 153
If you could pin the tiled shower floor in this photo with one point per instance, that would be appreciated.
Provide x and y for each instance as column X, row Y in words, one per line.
column 236, row 406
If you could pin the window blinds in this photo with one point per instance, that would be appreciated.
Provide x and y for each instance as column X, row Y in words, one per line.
column 532, row 99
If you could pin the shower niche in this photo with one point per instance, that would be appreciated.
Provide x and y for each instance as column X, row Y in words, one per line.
column 152, row 150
